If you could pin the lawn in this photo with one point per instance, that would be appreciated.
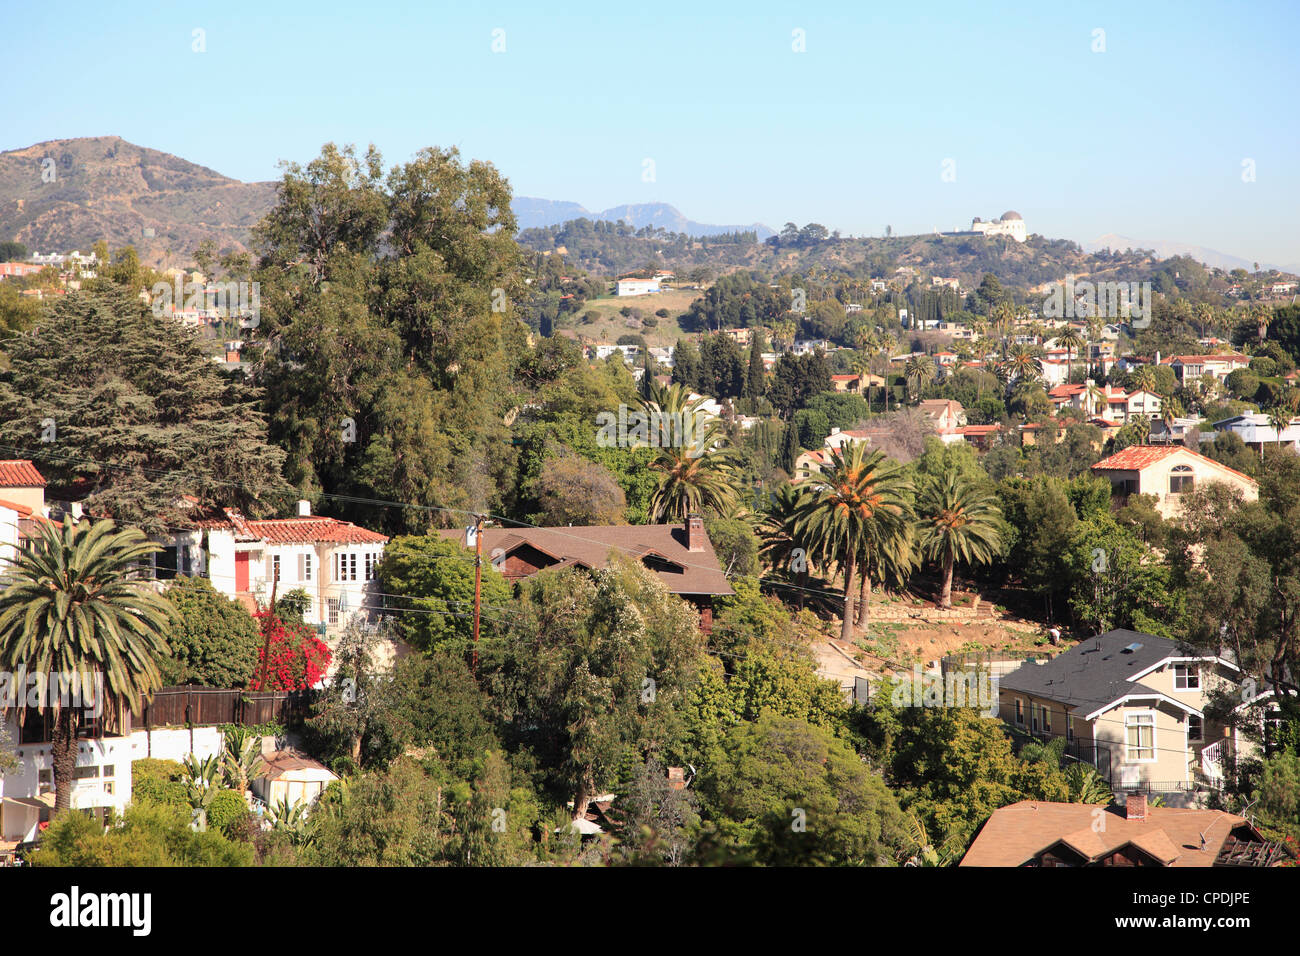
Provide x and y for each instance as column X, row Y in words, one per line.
column 612, row 324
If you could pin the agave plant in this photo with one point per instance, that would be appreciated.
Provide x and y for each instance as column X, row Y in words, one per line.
column 201, row 780
column 291, row 818
column 241, row 757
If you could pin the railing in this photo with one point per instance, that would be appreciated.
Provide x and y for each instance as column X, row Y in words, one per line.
column 210, row 706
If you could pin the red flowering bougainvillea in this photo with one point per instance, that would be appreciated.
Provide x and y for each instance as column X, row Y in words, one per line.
column 298, row 658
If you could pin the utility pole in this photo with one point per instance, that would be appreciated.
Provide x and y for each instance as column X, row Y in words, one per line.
column 478, row 581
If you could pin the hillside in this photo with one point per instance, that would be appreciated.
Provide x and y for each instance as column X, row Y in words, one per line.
column 106, row 188
column 533, row 213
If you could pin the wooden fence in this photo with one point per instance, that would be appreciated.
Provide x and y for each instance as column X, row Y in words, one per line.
column 210, row 706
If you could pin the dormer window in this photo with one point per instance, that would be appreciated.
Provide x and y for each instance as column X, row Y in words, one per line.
column 1187, row 677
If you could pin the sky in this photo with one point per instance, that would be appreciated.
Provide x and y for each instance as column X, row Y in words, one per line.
column 1149, row 120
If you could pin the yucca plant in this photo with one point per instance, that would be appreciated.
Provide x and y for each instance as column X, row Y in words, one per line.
column 241, row 757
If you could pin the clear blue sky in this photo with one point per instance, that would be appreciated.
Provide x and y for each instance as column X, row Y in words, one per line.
column 1145, row 139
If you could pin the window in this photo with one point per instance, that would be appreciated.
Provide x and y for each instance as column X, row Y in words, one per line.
column 1140, row 737
column 84, row 773
column 275, row 567
column 352, row 571
column 304, row 567
column 1047, row 719
column 372, row 560
column 333, row 605
column 345, row 567
column 1020, row 712
column 1033, row 717
column 1195, row 728
column 1181, row 480
column 1187, row 677
column 1069, row 728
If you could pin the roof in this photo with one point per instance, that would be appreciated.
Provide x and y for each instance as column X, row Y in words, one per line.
column 1011, row 214
column 1097, row 672
column 22, row 510
column 590, row 546
column 1015, row 834
column 1184, row 359
column 280, row 762
column 1139, row 457
column 20, row 473
column 313, row 529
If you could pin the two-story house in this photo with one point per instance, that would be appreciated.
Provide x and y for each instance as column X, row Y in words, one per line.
column 1168, row 472
column 1131, row 704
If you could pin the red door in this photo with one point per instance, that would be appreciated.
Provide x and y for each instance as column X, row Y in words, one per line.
column 241, row 572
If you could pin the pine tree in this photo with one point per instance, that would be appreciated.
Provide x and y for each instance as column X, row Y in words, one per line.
column 754, row 374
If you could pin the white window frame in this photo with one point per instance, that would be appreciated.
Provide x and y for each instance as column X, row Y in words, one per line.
column 275, row 567
column 1182, row 672
column 1136, row 719
column 1195, row 738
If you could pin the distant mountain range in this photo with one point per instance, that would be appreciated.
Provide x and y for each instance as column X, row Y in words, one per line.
column 535, row 213
column 1165, row 249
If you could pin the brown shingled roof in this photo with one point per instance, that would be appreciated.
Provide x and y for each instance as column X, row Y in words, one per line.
column 1016, row 834
column 591, row 545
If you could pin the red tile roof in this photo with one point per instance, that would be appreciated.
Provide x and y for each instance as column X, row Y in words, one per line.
column 305, row 530
column 22, row 510
column 1138, row 457
column 20, row 473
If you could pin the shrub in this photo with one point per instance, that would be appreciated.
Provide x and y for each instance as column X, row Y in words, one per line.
column 159, row 782
column 1263, row 366
column 227, row 812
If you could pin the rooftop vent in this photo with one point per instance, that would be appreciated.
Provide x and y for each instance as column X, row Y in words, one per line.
column 1132, row 648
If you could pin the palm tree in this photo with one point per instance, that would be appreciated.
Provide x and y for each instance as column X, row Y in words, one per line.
column 694, row 463
column 958, row 522
column 1144, row 378
column 1263, row 319
column 1023, row 365
column 889, row 558
column 916, row 368
column 75, row 610
column 1072, row 342
column 784, row 547
column 1280, row 419
column 857, row 499
column 1094, row 397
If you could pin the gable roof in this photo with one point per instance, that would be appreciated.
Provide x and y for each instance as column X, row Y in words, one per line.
column 590, row 547
column 1015, row 834
column 1099, row 671
column 20, row 473
column 1139, row 457
column 313, row 529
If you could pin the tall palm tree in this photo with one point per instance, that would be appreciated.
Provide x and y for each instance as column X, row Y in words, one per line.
column 75, row 610
column 857, row 498
column 1023, row 365
column 958, row 522
column 784, row 547
column 1144, row 378
column 1280, row 419
column 1072, row 342
column 694, row 462
column 917, row 368
column 1094, row 398
column 886, row 558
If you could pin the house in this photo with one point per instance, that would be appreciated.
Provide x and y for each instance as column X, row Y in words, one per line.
column 636, row 286
column 1167, row 472
column 1107, row 402
column 291, row 776
column 1256, row 429
column 741, row 337
column 847, row 383
column 681, row 556
column 1039, row 833
column 981, row 436
column 1177, row 430
column 1188, row 368
column 22, row 502
column 334, row 561
column 947, row 416
column 1132, row 705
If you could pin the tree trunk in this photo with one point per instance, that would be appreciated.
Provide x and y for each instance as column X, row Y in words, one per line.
column 945, row 593
column 864, row 592
column 582, row 799
column 846, row 628
column 63, row 755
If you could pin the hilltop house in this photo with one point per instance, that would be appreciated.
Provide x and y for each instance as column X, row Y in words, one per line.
column 681, row 556
column 1257, row 430
column 1188, row 368
column 1111, row 404
column 1168, row 472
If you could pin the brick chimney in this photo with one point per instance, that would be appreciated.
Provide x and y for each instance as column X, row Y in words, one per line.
column 1135, row 808
column 695, row 537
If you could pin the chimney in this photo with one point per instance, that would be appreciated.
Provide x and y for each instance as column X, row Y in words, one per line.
column 695, row 536
column 304, row 508
column 677, row 778
column 1136, row 807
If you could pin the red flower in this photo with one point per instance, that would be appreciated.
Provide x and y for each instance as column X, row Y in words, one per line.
column 297, row 658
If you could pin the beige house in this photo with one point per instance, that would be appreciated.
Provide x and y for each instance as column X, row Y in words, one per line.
column 1168, row 472
column 1133, row 706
